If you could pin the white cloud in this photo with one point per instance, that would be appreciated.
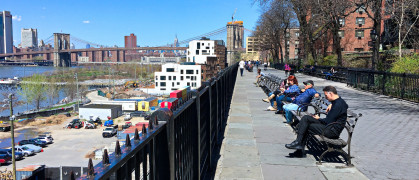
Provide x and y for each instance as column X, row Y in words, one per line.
column 86, row 22
column 17, row 18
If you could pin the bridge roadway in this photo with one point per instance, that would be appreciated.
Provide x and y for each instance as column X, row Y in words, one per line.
column 384, row 144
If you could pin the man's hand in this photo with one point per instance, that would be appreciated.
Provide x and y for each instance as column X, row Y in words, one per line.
column 316, row 116
column 317, row 95
column 329, row 107
column 302, row 90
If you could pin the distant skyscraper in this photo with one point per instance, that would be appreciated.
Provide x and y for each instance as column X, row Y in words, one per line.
column 131, row 41
column 29, row 38
column 176, row 44
column 6, row 32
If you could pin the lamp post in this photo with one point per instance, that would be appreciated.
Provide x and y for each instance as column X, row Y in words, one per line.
column 373, row 36
column 77, row 93
column 12, row 118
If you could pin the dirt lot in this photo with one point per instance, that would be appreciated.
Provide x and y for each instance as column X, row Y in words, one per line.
column 70, row 146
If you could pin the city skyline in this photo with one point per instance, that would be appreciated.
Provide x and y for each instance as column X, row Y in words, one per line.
column 158, row 23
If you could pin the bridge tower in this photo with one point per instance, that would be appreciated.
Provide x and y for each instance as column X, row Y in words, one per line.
column 61, row 42
column 235, row 33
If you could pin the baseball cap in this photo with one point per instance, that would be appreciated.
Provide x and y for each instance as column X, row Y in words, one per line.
column 308, row 82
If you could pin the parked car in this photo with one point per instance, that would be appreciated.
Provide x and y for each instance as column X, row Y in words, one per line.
column 109, row 131
column 46, row 139
column 37, row 149
column 47, row 135
column 24, row 150
column 18, row 155
column 75, row 123
column 127, row 117
column 35, row 142
column 5, row 158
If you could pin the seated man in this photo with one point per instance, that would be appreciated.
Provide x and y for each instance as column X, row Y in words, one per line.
column 305, row 97
column 337, row 114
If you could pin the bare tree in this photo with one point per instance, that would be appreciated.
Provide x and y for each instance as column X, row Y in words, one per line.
column 404, row 14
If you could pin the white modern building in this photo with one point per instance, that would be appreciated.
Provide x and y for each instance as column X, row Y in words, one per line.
column 6, row 32
column 199, row 50
column 29, row 38
column 175, row 76
column 160, row 60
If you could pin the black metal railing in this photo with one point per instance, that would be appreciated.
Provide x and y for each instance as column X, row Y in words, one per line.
column 178, row 144
column 398, row 85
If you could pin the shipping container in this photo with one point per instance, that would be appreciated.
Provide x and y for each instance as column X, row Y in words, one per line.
column 147, row 103
column 31, row 172
column 184, row 93
column 176, row 94
column 169, row 103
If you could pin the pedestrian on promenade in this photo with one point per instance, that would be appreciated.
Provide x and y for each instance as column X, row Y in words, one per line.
column 335, row 120
column 241, row 66
column 304, row 98
column 287, row 69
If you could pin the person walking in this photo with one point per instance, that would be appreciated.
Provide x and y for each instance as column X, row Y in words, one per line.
column 287, row 69
column 241, row 65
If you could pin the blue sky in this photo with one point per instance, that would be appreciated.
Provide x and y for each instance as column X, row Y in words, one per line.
column 107, row 21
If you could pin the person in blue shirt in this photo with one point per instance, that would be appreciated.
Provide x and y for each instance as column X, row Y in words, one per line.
column 292, row 89
column 308, row 93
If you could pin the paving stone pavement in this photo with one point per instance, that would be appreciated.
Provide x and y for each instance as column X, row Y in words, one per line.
column 254, row 143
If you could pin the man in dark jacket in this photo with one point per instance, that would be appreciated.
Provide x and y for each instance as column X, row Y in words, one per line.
column 337, row 114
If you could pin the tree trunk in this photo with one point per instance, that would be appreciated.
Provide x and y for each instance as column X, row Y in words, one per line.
column 400, row 29
column 336, row 41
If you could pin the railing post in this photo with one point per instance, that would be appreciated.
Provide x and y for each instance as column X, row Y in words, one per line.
column 403, row 85
column 368, row 80
column 197, row 150
column 383, row 86
column 171, row 146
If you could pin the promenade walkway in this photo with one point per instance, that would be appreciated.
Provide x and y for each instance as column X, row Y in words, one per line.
column 384, row 143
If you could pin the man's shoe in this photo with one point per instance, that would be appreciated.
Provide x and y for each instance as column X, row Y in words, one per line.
column 265, row 100
column 294, row 145
column 279, row 112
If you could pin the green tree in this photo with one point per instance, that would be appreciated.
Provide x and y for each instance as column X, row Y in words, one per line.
column 33, row 89
column 52, row 89
column 407, row 64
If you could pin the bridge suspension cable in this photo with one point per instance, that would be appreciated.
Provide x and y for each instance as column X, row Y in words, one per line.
column 209, row 34
column 85, row 42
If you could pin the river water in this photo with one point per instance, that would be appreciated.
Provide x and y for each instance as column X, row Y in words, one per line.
column 22, row 71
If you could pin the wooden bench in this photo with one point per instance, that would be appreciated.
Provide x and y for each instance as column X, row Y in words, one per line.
column 333, row 145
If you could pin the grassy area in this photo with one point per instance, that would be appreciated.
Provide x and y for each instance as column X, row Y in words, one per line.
column 61, row 106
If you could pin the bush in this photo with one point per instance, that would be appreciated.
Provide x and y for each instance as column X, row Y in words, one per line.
column 407, row 64
column 330, row 60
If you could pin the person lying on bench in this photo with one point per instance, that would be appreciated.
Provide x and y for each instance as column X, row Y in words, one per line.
column 308, row 93
column 335, row 119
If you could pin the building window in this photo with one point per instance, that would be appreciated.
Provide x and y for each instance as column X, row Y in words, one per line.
column 173, row 84
column 163, row 84
column 342, row 21
column 188, row 77
column 174, row 78
column 197, row 52
column 162, row 78
column 157, row 78
column 181, row 78
column 181, row 71
column 341, row 33
column 189, row 71
column 250, row 50
column 361, row 9
column 198, row 45
column 163, row 89
column 207, row 48
column 157, row 84
column 197, row 72
column 359, row 33
column 170, row 70
column 188, row 84
column 178, row 83
column 170, row 78
column 287, row 34
column 360, row 20
column 297, row 34
column 359, row 49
